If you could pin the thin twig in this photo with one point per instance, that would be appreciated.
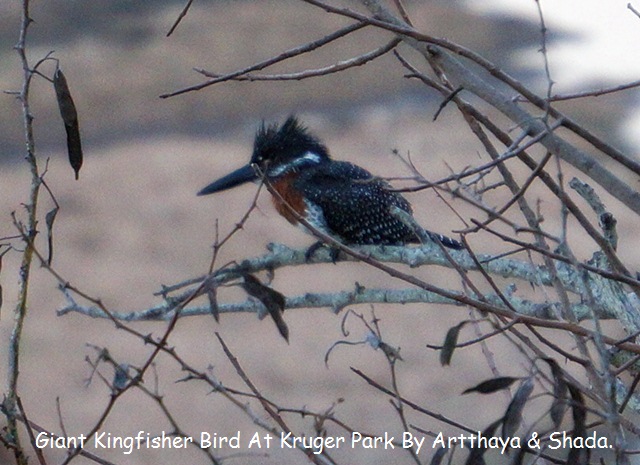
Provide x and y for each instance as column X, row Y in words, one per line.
column 294, row 52
column 182, row 14
column 309, row 73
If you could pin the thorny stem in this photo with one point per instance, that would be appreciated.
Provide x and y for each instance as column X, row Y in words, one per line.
column 10, row 402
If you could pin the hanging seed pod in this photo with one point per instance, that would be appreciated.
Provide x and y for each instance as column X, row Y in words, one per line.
column 70, row 119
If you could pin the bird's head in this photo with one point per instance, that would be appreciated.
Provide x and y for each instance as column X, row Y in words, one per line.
column 277, row 151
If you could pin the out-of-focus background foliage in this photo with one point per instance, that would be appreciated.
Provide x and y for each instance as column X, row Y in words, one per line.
column 132, row 222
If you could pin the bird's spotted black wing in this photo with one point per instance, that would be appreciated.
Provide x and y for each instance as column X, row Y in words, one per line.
column 355, row 205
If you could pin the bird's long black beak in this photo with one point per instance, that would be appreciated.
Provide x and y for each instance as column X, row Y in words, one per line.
column 239, row 176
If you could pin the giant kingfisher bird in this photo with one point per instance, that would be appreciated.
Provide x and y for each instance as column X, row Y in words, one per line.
column 338, row 198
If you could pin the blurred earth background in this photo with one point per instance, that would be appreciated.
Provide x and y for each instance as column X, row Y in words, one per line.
column 133, row 223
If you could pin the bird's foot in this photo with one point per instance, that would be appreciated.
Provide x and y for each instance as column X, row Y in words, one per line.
column 313, row 248
column 333, row 252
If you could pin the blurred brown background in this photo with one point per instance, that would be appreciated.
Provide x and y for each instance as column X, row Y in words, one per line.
column 132, row 222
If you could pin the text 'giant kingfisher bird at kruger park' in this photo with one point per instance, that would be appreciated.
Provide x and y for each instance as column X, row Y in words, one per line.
column 338, row 198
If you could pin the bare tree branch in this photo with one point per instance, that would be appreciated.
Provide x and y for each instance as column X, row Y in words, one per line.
column 294, row 52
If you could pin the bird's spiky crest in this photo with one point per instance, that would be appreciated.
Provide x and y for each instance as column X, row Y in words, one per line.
column 282, row 144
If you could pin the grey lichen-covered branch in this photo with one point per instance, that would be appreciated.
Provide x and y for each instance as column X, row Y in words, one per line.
column 280, row 256
column 336, row 301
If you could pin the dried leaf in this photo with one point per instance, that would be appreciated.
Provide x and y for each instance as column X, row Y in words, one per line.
column 559, row 405
column 438, row 456
column 492, row 385
column 476, row 457
column 393, row 353
column 70, row 119
column 270, row 298
column 449, row 345
column 578, row 410
column 520, row 456
column 513, row 416
column 577, row 455
column 50, row 219
column 213, row 302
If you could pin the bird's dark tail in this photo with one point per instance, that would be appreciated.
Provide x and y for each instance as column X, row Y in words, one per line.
column 444, row 240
